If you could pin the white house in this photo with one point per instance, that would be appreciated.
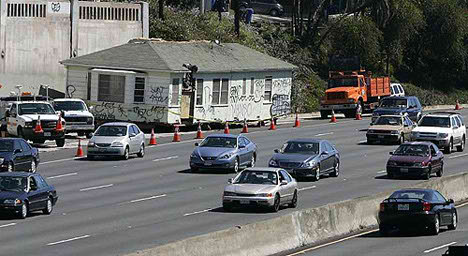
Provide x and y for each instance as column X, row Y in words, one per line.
column 143, row 81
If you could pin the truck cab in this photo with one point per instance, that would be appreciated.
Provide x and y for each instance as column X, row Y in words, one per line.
column 77, row 115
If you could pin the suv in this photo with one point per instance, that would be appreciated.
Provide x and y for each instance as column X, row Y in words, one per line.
column 77, row 115
column 397, row 90
column 271, row 7
column 445, row 129
column 22, row 118
column 395, row 105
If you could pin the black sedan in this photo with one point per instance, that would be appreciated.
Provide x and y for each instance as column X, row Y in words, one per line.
column 426, row 209
column 17, row 155
column 22, row 193
column 304, row 158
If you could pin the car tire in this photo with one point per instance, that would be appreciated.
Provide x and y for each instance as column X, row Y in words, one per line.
column 252, row 161
column 11, row 167
column 448, row 149
column 193, row 169
column 274, row 13
column 402, row 139
column 125, row 154
column 370, row 142
column 227, row 207
column 462, row 145
column 60, row 142
column 293, row 203
column 336, row 170
column 427, row 176
column 390, row 175
column 236, row 165
column 317, row 174
column 276, row 204
column 384, row 231
column 440, row 172
column 24, row 211
column 33, row 166
column 454, row 224
column 49, row 208
column 142, row 151
column 90, row 157
column 435, row 227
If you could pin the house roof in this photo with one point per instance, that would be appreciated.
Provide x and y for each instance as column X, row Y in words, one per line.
column 151, row 55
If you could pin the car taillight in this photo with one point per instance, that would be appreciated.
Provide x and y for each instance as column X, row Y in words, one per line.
column 426, row 206
column 382, row 207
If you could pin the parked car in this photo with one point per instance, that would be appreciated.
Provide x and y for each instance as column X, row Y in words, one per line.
column 390, row 128
column 394, row 105
column 425, row 209
column 22, row 193
column 445, row 129
column 416, row 159
column 271, row 7
column 397, row 90
column 117, row 139
column 223, row 151
column 307, row 158
column 261, row 187
column 77, row 116
column 17, row 155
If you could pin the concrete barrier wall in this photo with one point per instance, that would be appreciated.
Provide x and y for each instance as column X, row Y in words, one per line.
column 300, row 228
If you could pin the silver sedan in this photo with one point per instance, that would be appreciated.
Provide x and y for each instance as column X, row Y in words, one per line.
column 117, row 139
column 262, row 187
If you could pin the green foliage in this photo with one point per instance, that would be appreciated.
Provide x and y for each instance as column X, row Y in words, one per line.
column 429, row 97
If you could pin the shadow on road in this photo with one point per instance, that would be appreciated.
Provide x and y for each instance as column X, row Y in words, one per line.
column 206, row 171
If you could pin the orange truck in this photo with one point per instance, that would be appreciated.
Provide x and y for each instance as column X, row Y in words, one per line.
column 352, row 89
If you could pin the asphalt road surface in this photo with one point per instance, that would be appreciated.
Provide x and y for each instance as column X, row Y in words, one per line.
column 113, row 207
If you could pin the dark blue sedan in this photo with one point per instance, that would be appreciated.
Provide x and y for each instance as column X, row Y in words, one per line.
column 17, row 155
column 223, row 151
column 22, row 193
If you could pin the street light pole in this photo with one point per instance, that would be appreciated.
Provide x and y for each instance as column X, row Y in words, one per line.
column 18, row 87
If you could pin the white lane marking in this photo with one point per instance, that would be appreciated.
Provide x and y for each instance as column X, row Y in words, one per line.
column 323, row 134
column 98, row 187
column 8, row 225
column 306, row 188
column 62, row 175
column 62, row 160
column 451, row 157
column 439, row 247
column 193, row 213
column 68, row 240
column 382, row 171
column 165, row 158
column 331, row 243
column 363, row 141
column 147, row 198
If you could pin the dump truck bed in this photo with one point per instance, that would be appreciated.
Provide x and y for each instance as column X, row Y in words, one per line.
column 378, row 87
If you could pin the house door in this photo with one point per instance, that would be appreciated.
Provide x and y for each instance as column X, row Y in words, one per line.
column 186, row 105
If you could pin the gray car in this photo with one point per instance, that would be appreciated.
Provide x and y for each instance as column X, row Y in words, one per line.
column 261, row 187
column 304, row 158
column 223, row 151
column 117, row 139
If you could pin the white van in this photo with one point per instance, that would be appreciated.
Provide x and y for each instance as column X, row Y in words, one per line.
column 397, row 90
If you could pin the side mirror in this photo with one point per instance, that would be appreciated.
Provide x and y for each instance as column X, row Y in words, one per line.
column 324, row 153
column 276, row 151
column 241, row 146
column 196, row 144
column 132, row 135
column 230, row 181
column 284, row 182
column 17, row 151
column 450, row 201
column 390, row 153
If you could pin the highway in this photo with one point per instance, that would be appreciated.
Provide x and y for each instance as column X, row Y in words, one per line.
column 114, row 207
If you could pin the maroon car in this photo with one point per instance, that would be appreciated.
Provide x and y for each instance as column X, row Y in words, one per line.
column 419, row 159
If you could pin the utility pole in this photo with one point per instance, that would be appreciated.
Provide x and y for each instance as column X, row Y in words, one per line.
column 202, row 6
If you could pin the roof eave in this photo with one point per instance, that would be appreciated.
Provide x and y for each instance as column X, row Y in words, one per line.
column 122, row 68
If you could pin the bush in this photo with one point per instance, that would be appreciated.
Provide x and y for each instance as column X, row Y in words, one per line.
column 429, row 97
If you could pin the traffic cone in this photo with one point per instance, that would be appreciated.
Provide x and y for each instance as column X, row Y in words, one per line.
column 358, row 116
column 226, row 128
column 245, row 129
column 79, row 150
column 272, row 125
column 333, row 118
column 297, row 123
column 152, row 138
column 199, row 132
column 38, row 128
column 59, row 126
column 176, row 134
column 457, row 106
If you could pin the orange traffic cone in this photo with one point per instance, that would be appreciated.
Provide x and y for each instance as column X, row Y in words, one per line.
column 38, row 128
column 176, row 134
column 226, row 128
column 297, row 123
column 272, row 125
column 79, row 151
column 153, row 138
column 358, row 116
column 59, row 126
column 199, row 132
column 457, row 106
column 245, row 129
column 333, row 118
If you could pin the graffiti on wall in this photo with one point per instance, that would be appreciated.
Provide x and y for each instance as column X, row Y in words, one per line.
column 280, row 105
column 206, row 110
column 128, row 112
column 159, row 95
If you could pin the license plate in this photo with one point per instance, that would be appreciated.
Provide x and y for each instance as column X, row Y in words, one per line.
column 403, row 169
column 403, row 207
column 102, row 149
column 47, row 134
column 380, row 136
column 244, row 202
column 208, row 163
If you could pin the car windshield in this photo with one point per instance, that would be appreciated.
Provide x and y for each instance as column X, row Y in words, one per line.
column 35, row 108
column 6, row 145
column 8, row 183
column 394, row 103
column 294, row 147
column 114, row 131
column 219, row 142
column 386, row 120
column 69, row 106
column 412, row 150
column 414, row 194
column 434, row 121
column 343, row 82
column 257, row 177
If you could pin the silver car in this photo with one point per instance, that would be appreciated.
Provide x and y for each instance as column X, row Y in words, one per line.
column 117, row 139
column 262, row 187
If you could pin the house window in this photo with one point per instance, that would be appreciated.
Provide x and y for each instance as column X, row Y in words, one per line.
column 252, row 86
column 175, row 91
column 199, row 92
column 139, row 94
column 216, row 91
column 244, row 86
column 88, row 96
column 111, row 88
column 268, row 83
column 224, row 91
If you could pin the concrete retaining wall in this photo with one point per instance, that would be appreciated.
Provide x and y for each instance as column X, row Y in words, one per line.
column 300, row 228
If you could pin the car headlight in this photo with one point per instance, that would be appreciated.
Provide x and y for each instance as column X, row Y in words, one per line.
column 443, row 135
column 28, row 125
column 90, row 120
column 395, row 132
column 309, row 164
column 91, row 144
column 12, row 201
column 391, row 163
column 117, row 144
column 264, row 195
column 228, row 193
column 193, row 155
column 2, row 160
column 227, row 156
column 273, row 162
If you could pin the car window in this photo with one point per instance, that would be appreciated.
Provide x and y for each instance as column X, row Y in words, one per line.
column 397, row 90
column 241, row 142
column 133, row 130
column 17, row 145
column 328, row 147
column 412, row 194
column 39, row 182
column 25, row 146
column 454, row 123
column 111, row 130
column 13, row 109
column 298, row 147
column 457, row 120
column 282, row 176
column 8, row 183
column 247, row 141
column 435, row 121
column 42, row 181
column 392, row 91
column 219, row 142
column 433, row 150
column 33, row 184
column 6, row 146
column 401, row 89
column 285, row 175
column 412, row 150
column 409, row 121
column 439, row 197
column 461, row 120
column 256, row 177
column 137, row 130
column 388, row 120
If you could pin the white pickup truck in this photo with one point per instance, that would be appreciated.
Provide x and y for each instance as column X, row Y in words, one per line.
column 77, row 115
column 22, row 117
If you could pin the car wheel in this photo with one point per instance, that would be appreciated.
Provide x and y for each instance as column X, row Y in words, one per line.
column 402, row 139
column 428, row 174
column 126, row 153
column 276, row 204
column 33, row 166
column 60, row 142
column 236, row 165
column 49, row 207
column 384, row 231
column 448, row 150
column 462, row 145
column 90, row 157
column 435, row 228
column 454, row 224
column 274, row 13
column 293, row 203
column 317, row 174
column 370, row 142
column 440, row 172
column 193, row 169
column 142, row 151
column 390, row 175
column 227, row 207
column 11, row 167
column 336, row 169
column 252, row 161
column 24, row 211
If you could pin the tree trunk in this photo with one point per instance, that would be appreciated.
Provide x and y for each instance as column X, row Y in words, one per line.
column 161, row 9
